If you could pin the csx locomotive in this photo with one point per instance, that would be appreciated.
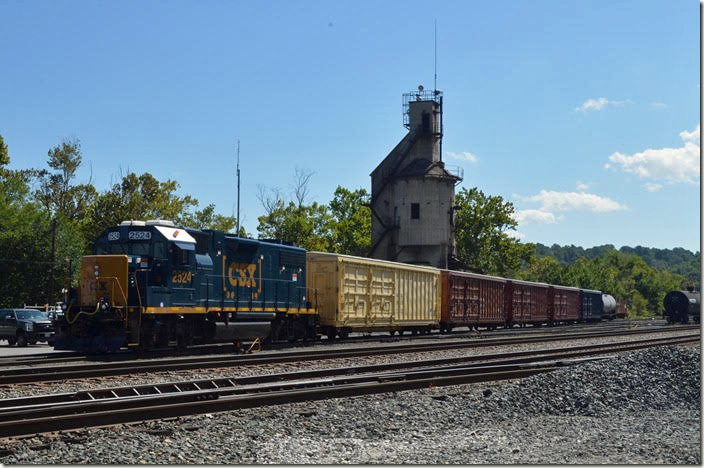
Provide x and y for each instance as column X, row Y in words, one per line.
column 153, row 284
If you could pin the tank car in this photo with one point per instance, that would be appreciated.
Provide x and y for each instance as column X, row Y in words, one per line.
column 681, row 305
column 609, row 307
column 154, row 284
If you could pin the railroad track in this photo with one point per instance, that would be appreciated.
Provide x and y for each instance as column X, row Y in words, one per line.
column 68, row 372
column 227, row 348
column 109, row 406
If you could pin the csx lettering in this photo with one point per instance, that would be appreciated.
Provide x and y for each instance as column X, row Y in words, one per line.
column 245, row 274
column 181, row 277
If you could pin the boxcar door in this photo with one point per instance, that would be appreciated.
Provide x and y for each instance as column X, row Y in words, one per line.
column 355, row 286
column 381, row 296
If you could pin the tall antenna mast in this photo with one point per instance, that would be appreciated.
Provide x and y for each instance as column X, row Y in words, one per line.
column 435, row 86
column 238, row 188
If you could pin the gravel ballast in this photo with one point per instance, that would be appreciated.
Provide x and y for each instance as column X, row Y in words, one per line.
column 640, row 407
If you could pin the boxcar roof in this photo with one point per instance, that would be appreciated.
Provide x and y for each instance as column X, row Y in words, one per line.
column 475, row 275
column 374, row 261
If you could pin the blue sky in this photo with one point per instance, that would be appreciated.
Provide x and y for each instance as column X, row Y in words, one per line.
column 584, row 114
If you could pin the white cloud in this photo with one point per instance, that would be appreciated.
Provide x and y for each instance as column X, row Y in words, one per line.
column 515, row 234
column 671, row 165
column 692, row 136
column 658, row 105
column 651, row 187
column 572, row 201
column 534, row 216
column 582, row 186
column 464, row 156
column 596, row 104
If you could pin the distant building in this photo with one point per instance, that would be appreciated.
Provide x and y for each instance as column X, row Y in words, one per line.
column 413, row 192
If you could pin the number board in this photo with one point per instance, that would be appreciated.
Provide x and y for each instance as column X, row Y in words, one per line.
column 113, row 236
column 181, row 277
column 139, row 235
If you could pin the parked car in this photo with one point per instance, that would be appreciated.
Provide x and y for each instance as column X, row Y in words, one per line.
column 25, row 326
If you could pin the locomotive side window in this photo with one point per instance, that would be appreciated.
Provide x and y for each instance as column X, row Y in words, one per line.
column 160, row 250
column 180, row 253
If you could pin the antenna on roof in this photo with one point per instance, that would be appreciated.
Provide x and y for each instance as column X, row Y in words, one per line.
column 435, row 86
column 238, row 188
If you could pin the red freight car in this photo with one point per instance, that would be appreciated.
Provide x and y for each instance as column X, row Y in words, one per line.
column 563, row 304
column 526, row 302
column 470, row 299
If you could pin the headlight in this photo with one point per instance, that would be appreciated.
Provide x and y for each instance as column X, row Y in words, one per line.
column 28, row 326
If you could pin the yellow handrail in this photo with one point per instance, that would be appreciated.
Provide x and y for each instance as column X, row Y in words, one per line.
column 70, row 322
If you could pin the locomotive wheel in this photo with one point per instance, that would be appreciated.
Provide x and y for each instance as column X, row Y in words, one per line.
column 11, row 342
column 392, row 332
column 344, row 334
column 400, row 333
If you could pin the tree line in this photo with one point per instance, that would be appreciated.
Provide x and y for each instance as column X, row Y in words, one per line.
column 49, row 220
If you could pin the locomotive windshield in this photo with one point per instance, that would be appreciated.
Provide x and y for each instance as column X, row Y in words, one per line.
column 115, row 248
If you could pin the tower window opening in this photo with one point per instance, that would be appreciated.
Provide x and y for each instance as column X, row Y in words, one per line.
column 415, row 210
column 426, row 122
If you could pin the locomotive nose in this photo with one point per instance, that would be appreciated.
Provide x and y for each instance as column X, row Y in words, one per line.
column 104, row 276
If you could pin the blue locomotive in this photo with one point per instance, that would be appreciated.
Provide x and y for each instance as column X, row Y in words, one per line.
column 153, row 284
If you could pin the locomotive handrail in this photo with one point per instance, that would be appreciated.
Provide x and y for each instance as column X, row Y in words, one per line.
column 80, row 312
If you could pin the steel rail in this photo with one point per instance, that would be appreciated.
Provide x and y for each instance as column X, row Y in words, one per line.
column 226, row 348
column 43, row 374
column 508, row 358
column 45, row 418
column 150, row 407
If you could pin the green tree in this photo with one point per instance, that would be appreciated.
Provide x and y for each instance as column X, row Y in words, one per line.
column 351, row 222
column 545, row 270
column 23, row 239
column 482, row 223
column 207, row 218
column 4, row 153
column 306, row 226
column 139, row 197
column 57, row 192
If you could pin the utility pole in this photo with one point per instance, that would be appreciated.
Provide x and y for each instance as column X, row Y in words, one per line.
column 50, row 299
column 238, row 188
